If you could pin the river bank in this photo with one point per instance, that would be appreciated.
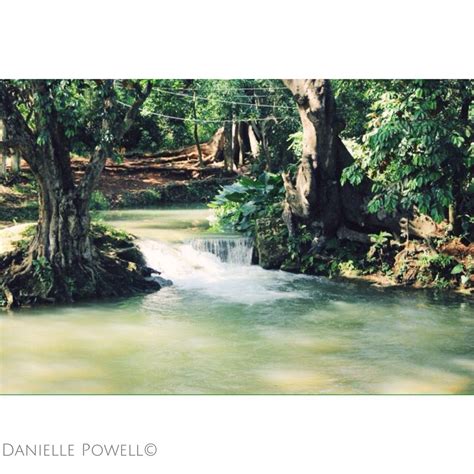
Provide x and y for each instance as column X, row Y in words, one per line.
column 445, row 264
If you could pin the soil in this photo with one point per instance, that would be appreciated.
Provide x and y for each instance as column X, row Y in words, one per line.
column 138, row 172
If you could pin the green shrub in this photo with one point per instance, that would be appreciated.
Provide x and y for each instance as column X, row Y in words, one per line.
column 380, row 244
column 99, row 202
column 295, row 141
column 239, row 205
column 150, row 197
column 146, row 198
column 43, row 272
column 100, row 229
column 438, row 270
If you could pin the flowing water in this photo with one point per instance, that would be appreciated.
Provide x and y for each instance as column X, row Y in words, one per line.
column 226, row 326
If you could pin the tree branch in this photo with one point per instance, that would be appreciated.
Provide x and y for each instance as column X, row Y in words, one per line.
column 112, row 133
column 49, row 120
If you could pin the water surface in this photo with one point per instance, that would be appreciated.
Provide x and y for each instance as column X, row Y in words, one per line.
column 234, row 328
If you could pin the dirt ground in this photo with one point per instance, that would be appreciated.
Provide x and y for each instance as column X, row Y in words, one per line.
column 134, row 174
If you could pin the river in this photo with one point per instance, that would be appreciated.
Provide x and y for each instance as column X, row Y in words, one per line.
column 229, row 327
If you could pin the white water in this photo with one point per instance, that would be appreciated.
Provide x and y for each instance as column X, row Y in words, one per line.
column 220, row 268
column 236, row 250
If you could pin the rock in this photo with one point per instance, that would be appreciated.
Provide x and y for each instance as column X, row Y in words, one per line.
column 344, row 233
column 148, row 271
column 161, row 281
column 271, row 236
column 131, row 254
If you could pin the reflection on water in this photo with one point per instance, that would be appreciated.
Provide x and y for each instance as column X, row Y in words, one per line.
column 228, row 328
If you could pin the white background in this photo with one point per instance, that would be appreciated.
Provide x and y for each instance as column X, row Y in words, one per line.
column 218, row 39
column 244, row 38
column 240, row 434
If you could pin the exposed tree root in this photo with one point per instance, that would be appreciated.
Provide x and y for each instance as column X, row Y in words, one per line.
column 117, row 269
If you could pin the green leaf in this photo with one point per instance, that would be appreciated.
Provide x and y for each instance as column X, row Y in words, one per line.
column 459, row 268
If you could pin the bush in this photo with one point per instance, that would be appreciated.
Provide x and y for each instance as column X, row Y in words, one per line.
column 239, row 205
column 99, row 202
column 437, row 269
column 146, row 198
column 150, row 197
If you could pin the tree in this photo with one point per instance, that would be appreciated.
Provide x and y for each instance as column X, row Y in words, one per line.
column 316, row 195
column 41, row 118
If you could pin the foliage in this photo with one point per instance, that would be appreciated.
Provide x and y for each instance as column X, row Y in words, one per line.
column 99, row 202
column 354, row 99
column 166, row 118
column 78, row 109
column 146, row 198
column 380, row 242
column 168, row 114
column 26, row 211
column 239, row 205
column 464, row 271
column 418, row 146
column 100, row 229
column 27, row 236
column 295, row 141
column 43, row 271
column 437, row 269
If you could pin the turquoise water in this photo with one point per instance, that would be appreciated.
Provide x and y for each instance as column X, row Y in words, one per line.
column 235, row 328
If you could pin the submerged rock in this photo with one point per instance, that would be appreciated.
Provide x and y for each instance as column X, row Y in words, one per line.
column 161, row 281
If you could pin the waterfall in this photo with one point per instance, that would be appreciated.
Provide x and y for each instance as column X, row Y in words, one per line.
column 237, row 250
column 219, row 268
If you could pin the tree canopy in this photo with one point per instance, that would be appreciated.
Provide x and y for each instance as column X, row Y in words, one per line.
column 417, row 144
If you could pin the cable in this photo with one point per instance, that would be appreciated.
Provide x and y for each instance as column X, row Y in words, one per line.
column 180, row 94
column 224, row 92
column 234, row 92
column 269, row 88
column 185, row 119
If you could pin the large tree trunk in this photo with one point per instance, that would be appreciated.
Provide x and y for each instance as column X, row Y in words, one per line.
column 62, row 235
column 228, row 158
column 254, row 143
column 61, row 254
column 60, row 263
column 316, row 195
column 244, row 143
column 195, row 131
